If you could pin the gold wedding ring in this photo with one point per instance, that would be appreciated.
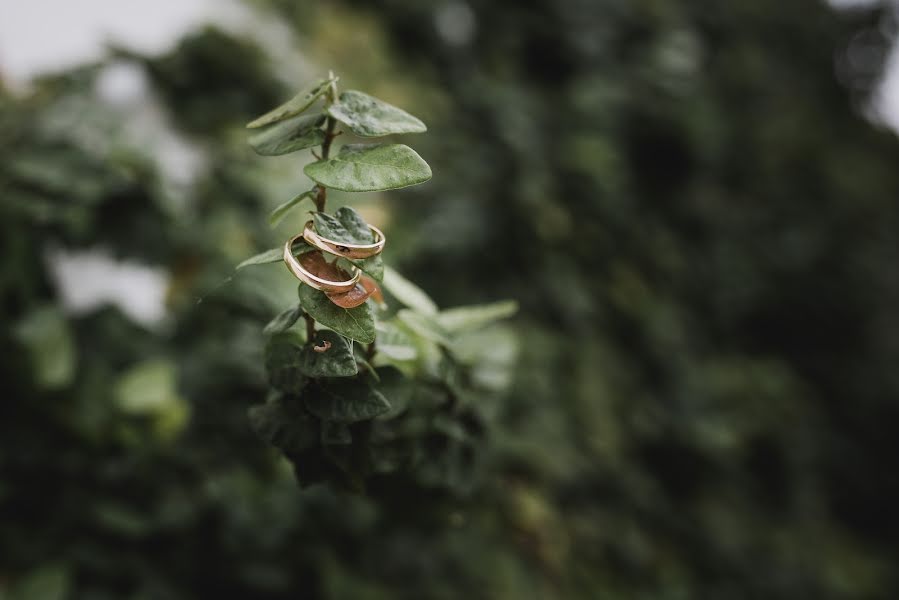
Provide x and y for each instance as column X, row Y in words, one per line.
column 354, row 251
column 324, row 285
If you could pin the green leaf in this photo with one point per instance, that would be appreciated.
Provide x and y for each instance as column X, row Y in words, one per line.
column 283, row 354
column 394, row 343
column 289, row 136
column 346, row 225
column 355, row 323
column 470, row 318
column 423, row 326
column 281, row 211
column 295, row 105
column 47, row 582
column 275, row 255
column 408, row 293
column 334, row 358
column 345, row 401
column 370, row 168
column 368, row 116
column 283, row 321
column 282, row 423
column 46, row 335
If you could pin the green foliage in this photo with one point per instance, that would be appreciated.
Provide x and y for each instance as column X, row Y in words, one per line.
column 338, row 384
column 370, row 168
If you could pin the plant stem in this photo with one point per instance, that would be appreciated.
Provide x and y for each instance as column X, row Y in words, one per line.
column 322, row 192
column 310, row 328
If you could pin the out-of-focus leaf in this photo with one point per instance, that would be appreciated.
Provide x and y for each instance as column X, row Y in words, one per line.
column 275, row 255
column 336, row 434
column 394, row 343
column 328, row 355
column 289, row 136
column 397, row 388
column 282, row 423
column 355, row 323
column 283, row 321
column 149, row 388
column 359, row 294
column 370, row 168
column 408, row 293
column 424, row 326
column 368, row 116
column 277, row 215
column 295, row 105
column 468, row 318
column 45, row 334
column 345, row 401
column 48, row 582
column 283, row 354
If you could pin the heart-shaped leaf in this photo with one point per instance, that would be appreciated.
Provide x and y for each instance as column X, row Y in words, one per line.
column 295, row 105
column 283, row 354
column 289, row 136
column 368, row 116
column 355, row 323
column 370, row 168
column 345, row 401
column 359, row 294
column 328, row 355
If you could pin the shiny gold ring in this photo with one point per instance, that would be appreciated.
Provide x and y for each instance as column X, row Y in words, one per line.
column 333, row 287
column 354, row 251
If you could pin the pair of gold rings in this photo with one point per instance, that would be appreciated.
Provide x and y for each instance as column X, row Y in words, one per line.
column 351, row 251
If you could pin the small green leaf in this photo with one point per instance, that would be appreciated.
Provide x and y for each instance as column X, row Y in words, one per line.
column 295, row 105
column 394, row 343
column 46, row 335
column 470, row 318
column 281, row 211
column 346, row 225
column 355, row 323
column 275, row 255
column 328, row 355
column 370, row 168
column 282, row 423
column 289, row 136
column 283, row 321
column 408, row 293
column 368, row 116
column 345, row 401
column 283, row 354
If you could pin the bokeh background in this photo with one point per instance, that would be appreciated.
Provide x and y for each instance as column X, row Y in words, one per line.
column 696, row 205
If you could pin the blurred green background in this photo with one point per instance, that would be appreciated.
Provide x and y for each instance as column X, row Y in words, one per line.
column 686, row 198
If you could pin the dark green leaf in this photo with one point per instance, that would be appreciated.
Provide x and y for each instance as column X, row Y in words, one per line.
column 345, row 401
column 281, row 211
column 370, row 168
column 283, row 354
column 46, row 335
column 368, row 116
column 355, row 323
column 346, row 225
column 336, row 434
column 282, row 423
column 289, row 136
column 396, row 387
column 295, row 105
column 283, row 321
column 328, row 355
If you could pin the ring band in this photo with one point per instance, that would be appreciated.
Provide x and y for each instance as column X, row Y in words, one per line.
column 324, row 285
column 354, row 251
